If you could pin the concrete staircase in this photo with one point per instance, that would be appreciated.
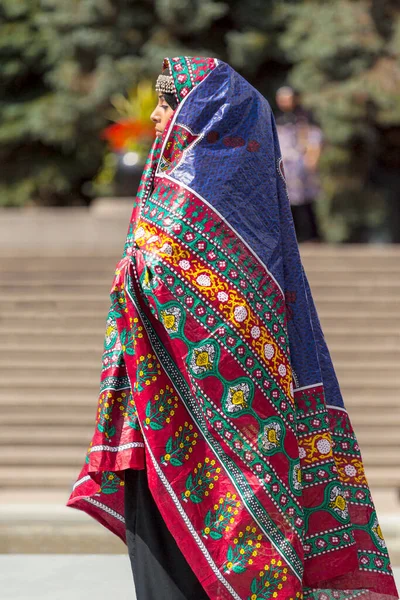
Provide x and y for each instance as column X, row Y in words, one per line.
column 52, row 317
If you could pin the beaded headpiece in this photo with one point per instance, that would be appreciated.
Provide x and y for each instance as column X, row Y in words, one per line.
column 165, row 84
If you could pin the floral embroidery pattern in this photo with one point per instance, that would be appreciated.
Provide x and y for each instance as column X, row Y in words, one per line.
column 110, row 483
column 272, row 436
column 161, row 408
column 222, row 517
column 202, row 359
column 269, row 582
column 201, row 481
column 238, row 398
column 104, row 418
column 244, row 550
column 180, row 446
column 171, row 318
column 148, row 370
column 338, row 503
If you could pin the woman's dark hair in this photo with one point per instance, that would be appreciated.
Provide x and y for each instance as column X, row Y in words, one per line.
column 171, row 100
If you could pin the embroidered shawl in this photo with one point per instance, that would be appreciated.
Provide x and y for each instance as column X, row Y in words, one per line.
column 216, row 377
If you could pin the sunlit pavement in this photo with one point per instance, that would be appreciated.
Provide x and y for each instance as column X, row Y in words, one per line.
column 69, row 577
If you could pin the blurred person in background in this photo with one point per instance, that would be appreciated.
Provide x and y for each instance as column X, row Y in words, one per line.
column 229, row 470
column 301, row 142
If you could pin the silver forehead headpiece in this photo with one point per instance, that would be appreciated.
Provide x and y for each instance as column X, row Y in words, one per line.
column 165, row 84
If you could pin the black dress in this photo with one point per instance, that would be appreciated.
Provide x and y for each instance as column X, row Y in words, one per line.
column 160, row 571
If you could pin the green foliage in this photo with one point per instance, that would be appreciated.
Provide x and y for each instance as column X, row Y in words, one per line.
column 346, row 64
column 61, row 62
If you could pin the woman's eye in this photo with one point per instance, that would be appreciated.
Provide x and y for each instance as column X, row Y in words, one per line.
column 164, row 106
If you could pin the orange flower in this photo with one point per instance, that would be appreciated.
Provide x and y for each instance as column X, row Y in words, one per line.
column 120, row 134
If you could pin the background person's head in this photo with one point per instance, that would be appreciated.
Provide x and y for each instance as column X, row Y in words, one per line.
column 286, row 99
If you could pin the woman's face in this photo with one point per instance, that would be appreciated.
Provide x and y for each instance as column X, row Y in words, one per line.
column 161, row 114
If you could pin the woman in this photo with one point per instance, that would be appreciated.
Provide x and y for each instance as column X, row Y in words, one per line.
column 219, row 406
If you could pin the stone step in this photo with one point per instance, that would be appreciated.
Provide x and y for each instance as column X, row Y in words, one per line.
column 57, row 416
column 50, row 370
column 73, row 383
column 30, row 476
column 8, row 304
column 68, row 262
column 93, row 345
column 345, row 252
column 48, row 398
column 48, row 436
column 63, row 456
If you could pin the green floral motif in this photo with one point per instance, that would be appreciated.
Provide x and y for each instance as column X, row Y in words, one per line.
column 128, row 408
column 127, row 342
column 161, row 408
column 110, row 483
column 200, row 481
column 245, row 547
column 221, row 518
column 180, row 446
column 269, row 581
column 104, row 418
column 87, row 457
column 118, row 302
column 133, row 418
column 129, row 242
column 147, row 371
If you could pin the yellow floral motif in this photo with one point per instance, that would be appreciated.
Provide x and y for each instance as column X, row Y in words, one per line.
column 317, row 447
column 238, row 398
column 378, row 531
column 339, row 503
column 241, row 554
column 202, row 359
column 169, row 321
column 346, row 473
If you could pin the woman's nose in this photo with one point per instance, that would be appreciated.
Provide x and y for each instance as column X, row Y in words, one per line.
column 154, row 117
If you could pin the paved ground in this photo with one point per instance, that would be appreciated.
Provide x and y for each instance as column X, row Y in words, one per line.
column 69, row 577
column 65, row 577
